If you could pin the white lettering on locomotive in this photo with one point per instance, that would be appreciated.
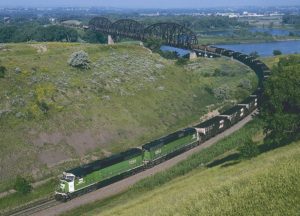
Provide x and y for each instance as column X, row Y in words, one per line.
column 133, row 161
column 158, row 151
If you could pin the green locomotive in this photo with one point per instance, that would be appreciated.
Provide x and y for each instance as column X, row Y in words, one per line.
column 84, row 177
column 88, row 177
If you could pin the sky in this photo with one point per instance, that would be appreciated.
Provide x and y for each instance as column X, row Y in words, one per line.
column 147, row 3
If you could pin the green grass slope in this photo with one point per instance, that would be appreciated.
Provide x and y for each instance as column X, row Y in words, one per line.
column 266, row 185
column 53, row 116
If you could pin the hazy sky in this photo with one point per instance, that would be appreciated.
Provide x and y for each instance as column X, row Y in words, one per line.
column 148, row 3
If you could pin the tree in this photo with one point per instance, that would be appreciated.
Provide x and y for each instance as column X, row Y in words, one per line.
column 2, row 71
column 169, row 54
column 248, row 150
column 281, row 101
column 79, row 60
column 22, row 185
column 94, row 37
column 277, row 52
column 153, row 44
column 182, row 61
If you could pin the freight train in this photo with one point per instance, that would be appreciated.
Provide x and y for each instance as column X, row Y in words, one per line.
column 97, row 174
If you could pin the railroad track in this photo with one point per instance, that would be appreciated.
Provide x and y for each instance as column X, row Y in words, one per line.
column 33, row 208
column 43, row 206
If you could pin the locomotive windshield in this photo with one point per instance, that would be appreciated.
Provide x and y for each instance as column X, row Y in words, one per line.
column 68, row 178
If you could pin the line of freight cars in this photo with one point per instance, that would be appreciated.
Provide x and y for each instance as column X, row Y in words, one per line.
column 100, row 173
column 261, row 69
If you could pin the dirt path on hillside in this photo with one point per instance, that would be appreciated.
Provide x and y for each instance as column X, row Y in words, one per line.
column 123, row 185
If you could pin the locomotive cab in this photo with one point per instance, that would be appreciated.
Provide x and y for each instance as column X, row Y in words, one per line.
column 65, row 187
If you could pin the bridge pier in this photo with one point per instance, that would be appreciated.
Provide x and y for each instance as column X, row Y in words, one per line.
column 110, row 41
column 193, row 55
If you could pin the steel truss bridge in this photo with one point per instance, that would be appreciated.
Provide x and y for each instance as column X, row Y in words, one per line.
column 169, row 33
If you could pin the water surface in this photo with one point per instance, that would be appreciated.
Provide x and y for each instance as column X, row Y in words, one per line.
column 265, row 49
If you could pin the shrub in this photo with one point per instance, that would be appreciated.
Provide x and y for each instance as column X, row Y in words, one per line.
column 182, row 61
column 44, row 107
column 169, row 54
column 222, row 93
column 248, row 150
column 79, row 60
column 245, row 84
column 22, row 185
column 219, row 72
column 2, row 71
column 277, row 52
column 153, row 44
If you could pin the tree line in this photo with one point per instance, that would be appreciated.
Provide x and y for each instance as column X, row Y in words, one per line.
column 33, row 31
column 199, row 23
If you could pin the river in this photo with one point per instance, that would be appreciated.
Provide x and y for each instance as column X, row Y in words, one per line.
column 265, row 49
column 269, row 31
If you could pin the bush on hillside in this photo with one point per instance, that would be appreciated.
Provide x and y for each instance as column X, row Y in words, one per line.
column 219, row 72
column 277, row 52
column 222, row 93
column 248, row 150
column 182, row 61
column 2, row 71
column 169, row 54
column 22, row 185
column 245, row 84
column 79, row 60
column 153, row 44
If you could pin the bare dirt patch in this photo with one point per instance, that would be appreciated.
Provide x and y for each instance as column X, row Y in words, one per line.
column 53, row 157
column 48, row 138
column 106, row 153
column 81, row 142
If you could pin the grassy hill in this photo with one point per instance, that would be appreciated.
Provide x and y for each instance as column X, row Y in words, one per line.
column 53, row 116
column 266, row 185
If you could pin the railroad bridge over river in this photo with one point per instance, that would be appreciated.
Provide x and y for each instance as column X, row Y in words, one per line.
column 171, row 34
